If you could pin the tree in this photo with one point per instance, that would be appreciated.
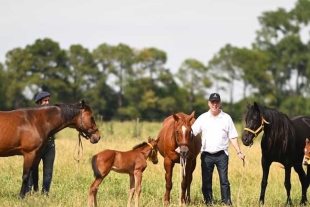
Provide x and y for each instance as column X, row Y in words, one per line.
column 83, row 70
column 48, row 69
column 193, row 77
column 222, row 69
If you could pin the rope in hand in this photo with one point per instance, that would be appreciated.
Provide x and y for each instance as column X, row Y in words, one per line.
column 79, row 155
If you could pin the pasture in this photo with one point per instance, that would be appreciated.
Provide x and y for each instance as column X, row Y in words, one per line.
column 72, row 179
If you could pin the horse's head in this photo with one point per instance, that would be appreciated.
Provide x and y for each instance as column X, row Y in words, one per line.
column 254, row 124
column 153, row 155
column 306, row 159
column 86, row 124
column 183, row 132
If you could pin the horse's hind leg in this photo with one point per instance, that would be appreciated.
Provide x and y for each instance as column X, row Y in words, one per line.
column 304, row 183
column 92, row 197
column 131, row 189
column 287, row 184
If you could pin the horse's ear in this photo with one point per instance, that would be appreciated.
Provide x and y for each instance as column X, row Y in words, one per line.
column 248, row 105
column 192, row 115
column 256, row 106
column 175, row 116
column 149, row 139
column 83, row 103
column 192, row 118
column 307, row 140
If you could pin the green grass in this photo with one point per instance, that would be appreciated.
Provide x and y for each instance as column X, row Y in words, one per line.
column 72, row 179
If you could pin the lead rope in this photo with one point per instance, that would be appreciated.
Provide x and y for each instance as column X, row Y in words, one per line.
column 243, row 171
column 79, row 145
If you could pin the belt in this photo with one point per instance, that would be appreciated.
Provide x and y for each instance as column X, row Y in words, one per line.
column 214, row 154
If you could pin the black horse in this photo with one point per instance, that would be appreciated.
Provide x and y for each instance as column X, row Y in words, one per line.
column 283, row 141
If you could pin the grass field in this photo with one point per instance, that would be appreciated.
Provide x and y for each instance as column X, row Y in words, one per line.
column 72, row 179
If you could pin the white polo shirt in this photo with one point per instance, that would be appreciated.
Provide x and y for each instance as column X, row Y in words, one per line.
column 216, row 131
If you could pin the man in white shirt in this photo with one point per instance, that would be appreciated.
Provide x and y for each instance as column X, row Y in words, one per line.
column 217, row 129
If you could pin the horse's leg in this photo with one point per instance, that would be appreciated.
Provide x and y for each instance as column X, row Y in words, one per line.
column 287, row 184
column 131, row 189
column 35, row 176
column 189, row 177
column 138, row 180
column 304, row 183
column 168, row 164
column 266, row 167
column 92, row 197
column 28, row 162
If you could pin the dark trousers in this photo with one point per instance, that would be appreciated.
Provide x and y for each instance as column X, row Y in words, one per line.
column 208, row 161
column 48, row 157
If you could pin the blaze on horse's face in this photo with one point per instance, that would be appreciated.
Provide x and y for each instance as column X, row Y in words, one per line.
column 183, row 133
column 88, row 127
column 253, row 121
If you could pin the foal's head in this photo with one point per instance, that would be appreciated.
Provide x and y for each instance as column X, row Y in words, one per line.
column 153, row 154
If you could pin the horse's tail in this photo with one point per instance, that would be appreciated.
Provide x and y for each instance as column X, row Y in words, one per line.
column 94, row 166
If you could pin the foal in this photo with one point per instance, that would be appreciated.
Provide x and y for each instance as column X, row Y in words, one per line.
column 132, row 162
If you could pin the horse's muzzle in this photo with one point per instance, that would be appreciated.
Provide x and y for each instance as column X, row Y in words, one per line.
column 247, row 140
column 184, row 152
column 94, row 139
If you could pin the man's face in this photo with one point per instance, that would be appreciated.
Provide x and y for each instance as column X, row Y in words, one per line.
column 45, row 101
column 214, row 105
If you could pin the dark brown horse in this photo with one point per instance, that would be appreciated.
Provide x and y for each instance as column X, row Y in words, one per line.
column 177, row 145
column 283, row 141
column 26, row 131
column 132, row 162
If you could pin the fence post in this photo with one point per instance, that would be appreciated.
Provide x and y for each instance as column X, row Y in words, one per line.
column 138, row 128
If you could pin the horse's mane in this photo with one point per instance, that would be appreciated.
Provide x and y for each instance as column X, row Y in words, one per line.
column 139, row 145
column 69, row 110
column 281, row 130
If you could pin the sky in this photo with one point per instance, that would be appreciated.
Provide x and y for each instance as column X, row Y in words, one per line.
column 183, row 29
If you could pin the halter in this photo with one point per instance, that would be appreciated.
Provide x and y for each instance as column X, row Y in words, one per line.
column 153, row 151
column 259, row 128
column 83, row 132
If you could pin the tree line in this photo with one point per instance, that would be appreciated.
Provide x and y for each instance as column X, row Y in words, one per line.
column 120, row 81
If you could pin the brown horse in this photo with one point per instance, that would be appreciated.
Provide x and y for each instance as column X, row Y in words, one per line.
column 177, row 145
column 26, row 131
column 132, row 162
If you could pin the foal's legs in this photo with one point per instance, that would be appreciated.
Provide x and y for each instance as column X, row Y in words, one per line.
column 131, row 188
column 92, row 198
column 138, row 180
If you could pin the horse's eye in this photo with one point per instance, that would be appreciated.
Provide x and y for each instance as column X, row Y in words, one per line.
column 92, row 119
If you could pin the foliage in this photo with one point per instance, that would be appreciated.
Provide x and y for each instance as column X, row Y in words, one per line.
column 125, row 82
